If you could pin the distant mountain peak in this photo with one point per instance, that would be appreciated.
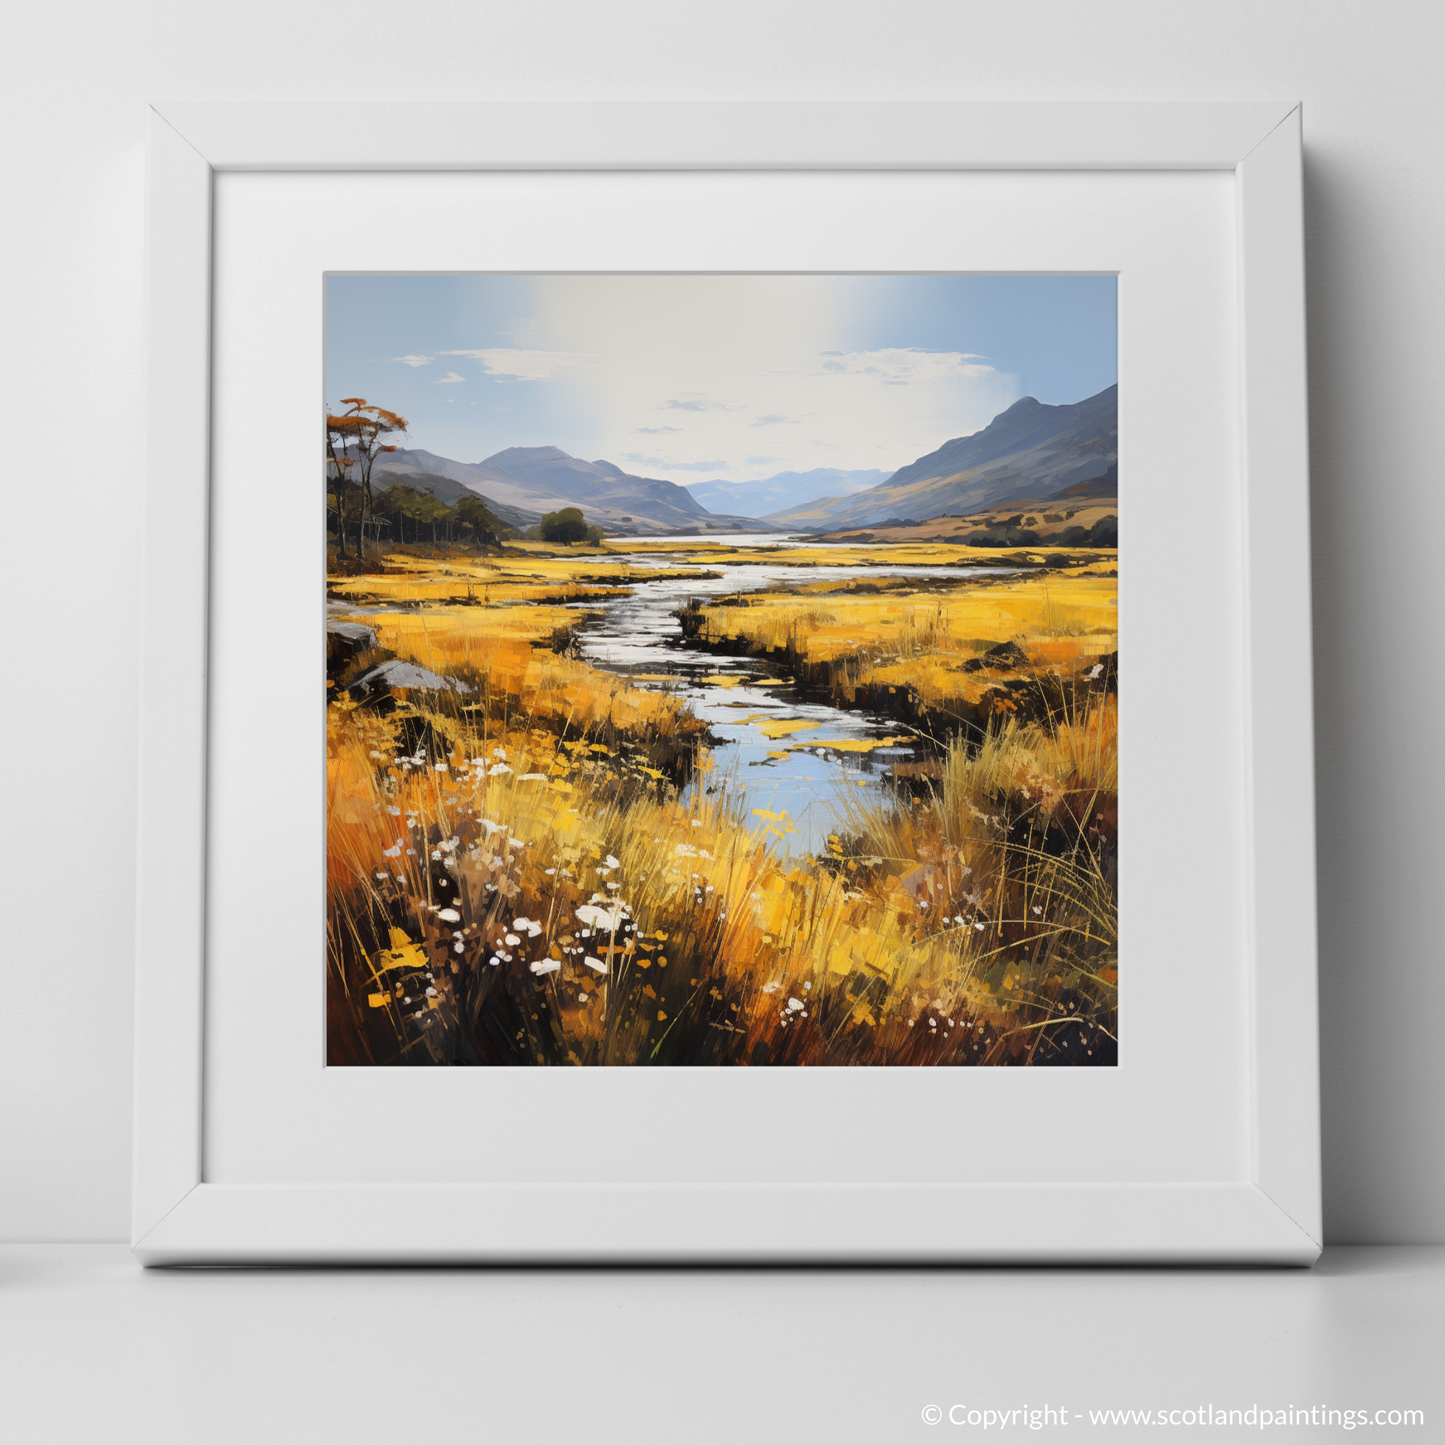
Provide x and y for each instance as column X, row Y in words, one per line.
column 520, row 484
column 783, row 489
column 526, row 454
column 1024, row 403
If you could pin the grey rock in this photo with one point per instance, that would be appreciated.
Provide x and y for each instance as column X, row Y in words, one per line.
column 398, row 673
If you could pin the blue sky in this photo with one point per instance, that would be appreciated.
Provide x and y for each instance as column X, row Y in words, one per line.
column 692, row 378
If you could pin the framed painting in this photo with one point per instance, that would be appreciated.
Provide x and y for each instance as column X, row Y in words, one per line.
column 655, row 781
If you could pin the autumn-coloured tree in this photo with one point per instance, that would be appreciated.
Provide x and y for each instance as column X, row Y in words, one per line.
column 354, row 439
column 339, row 490
column 340, row 483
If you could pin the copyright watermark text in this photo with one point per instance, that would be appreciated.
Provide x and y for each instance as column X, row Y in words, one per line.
column 1260, row 1417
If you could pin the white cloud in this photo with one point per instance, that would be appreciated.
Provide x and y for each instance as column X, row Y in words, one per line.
column 449, row 379
column 415, row 360
column 668, row 465
column 904, row 364
column 514, row 363
column 734, row 355
column 702, row 404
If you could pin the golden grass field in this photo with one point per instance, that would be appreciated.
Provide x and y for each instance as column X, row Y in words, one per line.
column 515, row 879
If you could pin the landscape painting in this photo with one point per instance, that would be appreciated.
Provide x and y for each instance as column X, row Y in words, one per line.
column 721, row 670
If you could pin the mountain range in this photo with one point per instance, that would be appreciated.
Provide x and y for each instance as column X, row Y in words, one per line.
column 783, row 490
column 1028, row 452
column 521, row 483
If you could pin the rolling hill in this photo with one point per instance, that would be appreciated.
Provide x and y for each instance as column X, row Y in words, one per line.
column 447, row 481
column 521, row 483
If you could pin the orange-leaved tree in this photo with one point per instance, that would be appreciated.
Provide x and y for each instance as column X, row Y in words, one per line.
column 339, row 479
column 354, row 439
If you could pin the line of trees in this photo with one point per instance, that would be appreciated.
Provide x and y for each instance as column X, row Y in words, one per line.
column 360, row 515
column 404, row 514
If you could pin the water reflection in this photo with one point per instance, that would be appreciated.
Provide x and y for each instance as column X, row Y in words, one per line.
column 793, row 780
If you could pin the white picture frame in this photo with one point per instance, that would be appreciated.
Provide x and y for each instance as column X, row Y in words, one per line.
column 1269, row 1214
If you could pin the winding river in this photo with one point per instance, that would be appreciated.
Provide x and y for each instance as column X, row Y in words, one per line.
column 794, row 785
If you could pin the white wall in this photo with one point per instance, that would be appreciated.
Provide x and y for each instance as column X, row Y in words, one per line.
column 73, row 102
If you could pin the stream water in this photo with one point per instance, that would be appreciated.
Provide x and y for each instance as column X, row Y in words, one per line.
column 794, row 787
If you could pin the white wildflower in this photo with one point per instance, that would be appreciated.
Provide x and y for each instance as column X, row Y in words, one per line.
column 594, row 963
column 545, row 965
column 449, row 915
column 604, row 920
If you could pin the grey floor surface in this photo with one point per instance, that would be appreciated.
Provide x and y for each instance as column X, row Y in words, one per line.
column 94, row 1349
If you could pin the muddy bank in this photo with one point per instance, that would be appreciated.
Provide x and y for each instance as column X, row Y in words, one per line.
column 1000, row 683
